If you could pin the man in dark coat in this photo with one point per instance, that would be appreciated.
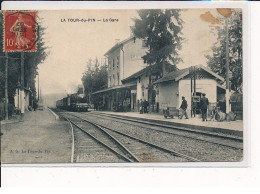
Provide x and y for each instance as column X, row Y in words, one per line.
column 34, row 105
column 204, row 102
column 146, row 104
column 141, row 106
column 183, row 108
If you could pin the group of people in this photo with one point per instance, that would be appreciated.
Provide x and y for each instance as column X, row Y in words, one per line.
column 203, row 106
column 143, row 106
column 204, row 102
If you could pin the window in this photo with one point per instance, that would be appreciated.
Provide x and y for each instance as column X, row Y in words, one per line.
column 109, row 64
column 109, row 84
column 143, row 91
column 144, row 43
column 118, row 80
column 117, row 61
column 113, row 63
column 136, row 57
column 113, row 79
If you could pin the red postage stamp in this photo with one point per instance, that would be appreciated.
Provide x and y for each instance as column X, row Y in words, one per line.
column 20, row 31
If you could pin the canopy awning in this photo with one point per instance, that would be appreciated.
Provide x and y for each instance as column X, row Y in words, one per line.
column 115, row 88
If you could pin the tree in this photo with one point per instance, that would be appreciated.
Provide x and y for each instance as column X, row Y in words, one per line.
column 162, row 31
column 94, row 79
column 217, row 60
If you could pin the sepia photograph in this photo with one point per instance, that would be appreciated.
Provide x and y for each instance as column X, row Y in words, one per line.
column 122, row 86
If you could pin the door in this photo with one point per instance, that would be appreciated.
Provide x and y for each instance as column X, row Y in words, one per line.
column 133, row 101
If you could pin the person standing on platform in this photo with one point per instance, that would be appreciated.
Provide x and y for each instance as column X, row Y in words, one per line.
column 141, row 106
column 194, row 109
column 204, row 102
column 183, row 108
column 145, row 106
column 34, row 105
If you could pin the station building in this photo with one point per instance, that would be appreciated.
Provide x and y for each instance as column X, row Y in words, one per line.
column 142, row 89
column 128, row 82
column 176, row 84
column 124, row 59
column 168, row 90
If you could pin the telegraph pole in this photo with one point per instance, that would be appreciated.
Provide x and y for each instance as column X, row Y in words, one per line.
column 191, row 90
column 6, row 86
column 38, row 87
column 194, row 94
column 226, row 13
column 6, row 82
column 227, row 70
column 22, row 85
column 195, row 75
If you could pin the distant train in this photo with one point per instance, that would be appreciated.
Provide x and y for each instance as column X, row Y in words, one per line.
column 74, row 102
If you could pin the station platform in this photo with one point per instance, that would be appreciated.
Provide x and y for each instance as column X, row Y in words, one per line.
column 231, row 127
column 12, row 119
column 37, row 138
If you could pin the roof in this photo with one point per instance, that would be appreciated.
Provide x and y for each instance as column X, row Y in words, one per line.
column 119, row 44
column 175, row 75
column 137, row 74
column 220, row 86
column 115, row 87
column 179, row 74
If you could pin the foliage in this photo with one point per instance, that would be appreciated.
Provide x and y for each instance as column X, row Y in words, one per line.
column 11, row 110
column 94, row 78
column 217, row 62
column 31, row 62
column 162, row 31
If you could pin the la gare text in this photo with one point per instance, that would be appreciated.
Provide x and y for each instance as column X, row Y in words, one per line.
column 85, row 20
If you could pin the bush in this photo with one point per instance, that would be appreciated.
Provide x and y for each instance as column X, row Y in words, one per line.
column 10, row 109
column 2, row 106
column 2, row 110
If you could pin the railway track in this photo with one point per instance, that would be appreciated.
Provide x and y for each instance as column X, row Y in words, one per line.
column 217, row 139
column 126, row 147
column 82, row 135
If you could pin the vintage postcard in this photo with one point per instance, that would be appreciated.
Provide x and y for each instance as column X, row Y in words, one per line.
column 122, row 86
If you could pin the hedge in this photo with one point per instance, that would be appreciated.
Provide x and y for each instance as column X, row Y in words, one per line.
column 2, row 110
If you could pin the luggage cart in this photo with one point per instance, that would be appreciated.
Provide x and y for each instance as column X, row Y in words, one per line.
column 167, row 113
column 170, row 112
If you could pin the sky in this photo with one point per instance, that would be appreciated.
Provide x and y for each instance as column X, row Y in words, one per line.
column 71, row 43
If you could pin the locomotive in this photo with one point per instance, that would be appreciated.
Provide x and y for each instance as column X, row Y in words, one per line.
column 74, row 102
